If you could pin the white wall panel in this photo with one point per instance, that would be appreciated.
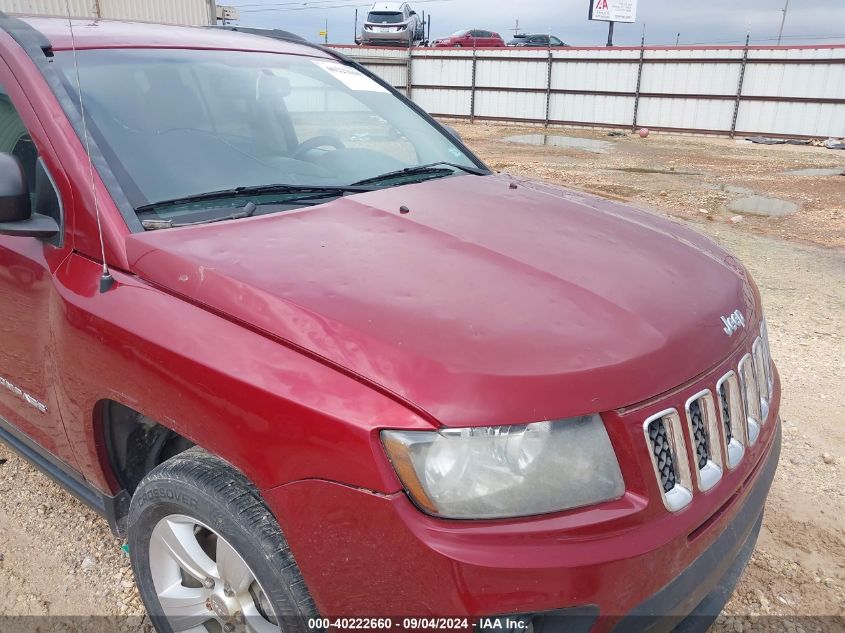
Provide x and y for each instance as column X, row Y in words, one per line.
column 516, row 105
column 442, row 72
column 196, row 12
column 592, row 109
column 805, row 119
column 164, row 11
column 450, row 102
column 825, row 81
column 78, row 8
column 507, row 73
column 691, row 78
column 576, row 72
column 594, row 76
column 698, row 114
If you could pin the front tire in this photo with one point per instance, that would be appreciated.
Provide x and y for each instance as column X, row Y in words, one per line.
column 208, row 554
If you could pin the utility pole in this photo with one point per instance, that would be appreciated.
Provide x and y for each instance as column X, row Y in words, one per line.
column 326, row 32
column 610, row 33
column 783, row 20
column 515, row 29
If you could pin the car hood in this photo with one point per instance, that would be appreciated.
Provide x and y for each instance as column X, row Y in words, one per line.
column 484, row 304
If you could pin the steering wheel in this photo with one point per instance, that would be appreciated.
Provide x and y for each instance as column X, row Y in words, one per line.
column 313, row 143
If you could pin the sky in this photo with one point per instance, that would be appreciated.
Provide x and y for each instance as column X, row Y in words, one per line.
column 712, row 21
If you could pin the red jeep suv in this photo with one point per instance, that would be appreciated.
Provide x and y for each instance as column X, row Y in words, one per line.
column 325, row 370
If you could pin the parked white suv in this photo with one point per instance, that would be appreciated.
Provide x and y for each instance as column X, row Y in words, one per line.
column 392, row 23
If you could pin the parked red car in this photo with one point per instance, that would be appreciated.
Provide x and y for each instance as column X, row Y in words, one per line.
column 324, row 369
column 470, row 38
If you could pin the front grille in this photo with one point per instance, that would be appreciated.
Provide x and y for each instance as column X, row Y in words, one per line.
column 699, row 434
column 722, row 423
column 662, row 450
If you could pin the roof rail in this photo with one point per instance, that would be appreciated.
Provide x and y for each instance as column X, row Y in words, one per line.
column 286, row 36
column 276, row 34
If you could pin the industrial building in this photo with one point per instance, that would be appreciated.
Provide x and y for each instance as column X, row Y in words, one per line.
column 190, row 12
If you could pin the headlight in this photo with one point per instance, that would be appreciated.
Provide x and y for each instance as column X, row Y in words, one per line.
column 507, row 471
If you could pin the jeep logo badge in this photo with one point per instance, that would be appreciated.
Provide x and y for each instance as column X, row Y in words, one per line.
column 733, row 322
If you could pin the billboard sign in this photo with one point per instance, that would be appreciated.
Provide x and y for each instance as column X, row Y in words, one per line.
column 613, row 10
column 228, row 13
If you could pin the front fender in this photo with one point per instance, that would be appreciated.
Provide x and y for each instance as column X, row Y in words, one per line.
column 272, row 412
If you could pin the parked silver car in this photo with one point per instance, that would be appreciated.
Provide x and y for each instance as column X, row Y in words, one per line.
column 392, row 23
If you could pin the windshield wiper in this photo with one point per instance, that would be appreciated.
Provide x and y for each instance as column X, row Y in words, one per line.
column 421, row 170
column 308, row 190
column 247, row 211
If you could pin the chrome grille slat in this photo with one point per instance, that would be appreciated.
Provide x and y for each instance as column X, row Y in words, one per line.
column 699, row 434
column 750, row 397
column 726, row 412
column 668, row 452
column 663, row 454
column 706, row 435
column 733, row 418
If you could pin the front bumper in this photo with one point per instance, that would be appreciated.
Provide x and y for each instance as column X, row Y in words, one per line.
column 369, row 554
column 391, row 37
column 693, row 599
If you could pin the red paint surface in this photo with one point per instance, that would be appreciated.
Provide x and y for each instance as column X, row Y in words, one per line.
column 286, row 342
column 483, row 305
column 468, row 41
column 614, row 555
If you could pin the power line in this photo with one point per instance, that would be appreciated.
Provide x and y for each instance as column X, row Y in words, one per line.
column 773, row 38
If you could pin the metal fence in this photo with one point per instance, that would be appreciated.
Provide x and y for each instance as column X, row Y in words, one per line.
column 739, row 90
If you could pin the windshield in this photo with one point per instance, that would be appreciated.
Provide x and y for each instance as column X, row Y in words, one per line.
column 460, row 33
column 385, row 17
column 174, row 124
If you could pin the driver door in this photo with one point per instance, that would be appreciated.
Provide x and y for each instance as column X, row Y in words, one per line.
column 29, row 303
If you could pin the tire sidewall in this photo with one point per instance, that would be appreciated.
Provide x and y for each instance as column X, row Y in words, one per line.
column 159, row 498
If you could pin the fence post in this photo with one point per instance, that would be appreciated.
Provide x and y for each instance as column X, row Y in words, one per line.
column 549, row 85
column 739, row 84
column 639, row 83
column 472, row 88
column 409, row 85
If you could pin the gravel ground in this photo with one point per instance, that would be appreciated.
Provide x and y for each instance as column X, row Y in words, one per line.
column 685, row 176
column 57, row 558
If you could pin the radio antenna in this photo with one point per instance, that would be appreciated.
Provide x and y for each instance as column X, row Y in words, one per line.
column 106, row 280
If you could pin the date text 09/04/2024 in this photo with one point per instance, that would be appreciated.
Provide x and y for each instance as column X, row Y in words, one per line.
column 417, row 623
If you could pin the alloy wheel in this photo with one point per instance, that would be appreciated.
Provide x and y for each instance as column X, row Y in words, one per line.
column 203, row 584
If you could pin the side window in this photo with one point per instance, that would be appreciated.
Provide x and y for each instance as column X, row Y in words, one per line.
column 15, row 140
column 555, row 41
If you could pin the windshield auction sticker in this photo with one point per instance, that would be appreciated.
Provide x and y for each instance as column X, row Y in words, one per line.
column 351, row 78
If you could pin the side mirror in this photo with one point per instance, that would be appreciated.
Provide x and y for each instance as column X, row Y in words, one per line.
column 14, row 193
column 16, row 216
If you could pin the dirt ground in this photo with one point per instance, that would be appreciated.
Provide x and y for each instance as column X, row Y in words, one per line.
column 58, row 558
column 685, row 176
